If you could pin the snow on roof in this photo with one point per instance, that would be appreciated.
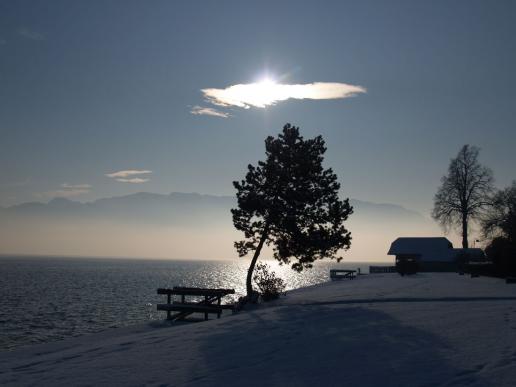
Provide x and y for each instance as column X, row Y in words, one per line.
column 428, row 248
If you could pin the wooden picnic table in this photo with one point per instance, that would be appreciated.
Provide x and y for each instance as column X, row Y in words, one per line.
column 211, row 303
column 341, row 274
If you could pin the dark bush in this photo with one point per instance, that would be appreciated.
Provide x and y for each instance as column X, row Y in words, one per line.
column 503, row 255
column 271, row 287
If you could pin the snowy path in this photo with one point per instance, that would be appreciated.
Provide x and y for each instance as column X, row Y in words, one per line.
column 379, row 330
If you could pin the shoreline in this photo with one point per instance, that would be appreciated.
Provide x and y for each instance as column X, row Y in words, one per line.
column 305, row 338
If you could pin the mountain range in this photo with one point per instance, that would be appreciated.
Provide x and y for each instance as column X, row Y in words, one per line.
column 151, row 220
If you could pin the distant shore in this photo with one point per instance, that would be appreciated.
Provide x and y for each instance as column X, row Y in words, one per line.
column 423, row 330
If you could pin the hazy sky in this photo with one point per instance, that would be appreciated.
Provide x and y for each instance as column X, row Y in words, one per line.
column 142, row 92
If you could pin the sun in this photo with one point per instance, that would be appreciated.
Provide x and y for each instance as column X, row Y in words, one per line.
column 266, row 82
column 264, row 92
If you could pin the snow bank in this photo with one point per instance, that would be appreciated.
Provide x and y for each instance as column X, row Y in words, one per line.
column 378, row 330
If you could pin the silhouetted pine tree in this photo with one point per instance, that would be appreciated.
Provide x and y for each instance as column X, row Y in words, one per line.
column 291, row 202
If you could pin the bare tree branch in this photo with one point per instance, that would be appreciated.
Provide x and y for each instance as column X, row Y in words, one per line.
column 464, row 193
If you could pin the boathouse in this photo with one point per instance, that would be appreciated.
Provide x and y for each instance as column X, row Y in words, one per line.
column 432, row 253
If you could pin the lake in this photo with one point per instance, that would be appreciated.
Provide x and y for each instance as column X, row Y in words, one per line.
column 44, row 299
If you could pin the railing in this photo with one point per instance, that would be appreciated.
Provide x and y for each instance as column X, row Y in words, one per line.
column 382, row 269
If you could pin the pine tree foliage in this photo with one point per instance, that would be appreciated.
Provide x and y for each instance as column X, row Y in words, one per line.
column 290, row 202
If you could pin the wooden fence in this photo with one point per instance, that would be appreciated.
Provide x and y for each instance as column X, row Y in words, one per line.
column 382, row 269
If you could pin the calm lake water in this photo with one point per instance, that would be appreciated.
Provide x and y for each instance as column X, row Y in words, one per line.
column 48, row 299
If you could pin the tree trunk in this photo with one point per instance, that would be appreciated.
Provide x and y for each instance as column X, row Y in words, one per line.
column 464, row 231
column 250, row 271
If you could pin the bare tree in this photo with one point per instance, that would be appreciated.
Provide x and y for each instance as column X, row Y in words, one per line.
column 500, row 218
column 464, row 192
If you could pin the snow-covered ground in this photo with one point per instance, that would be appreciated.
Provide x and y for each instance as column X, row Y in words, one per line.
column 378, row 330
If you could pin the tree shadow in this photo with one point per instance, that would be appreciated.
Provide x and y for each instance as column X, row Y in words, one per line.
column 324, row 346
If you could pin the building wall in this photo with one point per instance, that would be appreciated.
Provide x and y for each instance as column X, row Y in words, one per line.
column 438, row 267
column 429, row 266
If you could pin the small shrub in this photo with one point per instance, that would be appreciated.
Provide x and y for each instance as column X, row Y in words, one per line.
column 270, row 286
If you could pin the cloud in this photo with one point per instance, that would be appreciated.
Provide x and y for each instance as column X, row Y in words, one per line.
column 75, row 186
column 263, row 94
column 134, row 180
column 67, row 191
column 29, row 34
column 128, row 172
column 199, row 110
column 125, row 176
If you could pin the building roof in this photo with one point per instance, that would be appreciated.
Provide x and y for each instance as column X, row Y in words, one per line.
column 427, row 248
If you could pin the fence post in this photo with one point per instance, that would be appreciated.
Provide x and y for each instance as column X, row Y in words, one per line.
column 168, row 302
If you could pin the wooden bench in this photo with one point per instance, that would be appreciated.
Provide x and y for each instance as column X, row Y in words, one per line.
column 336, row 274
column 210, row 304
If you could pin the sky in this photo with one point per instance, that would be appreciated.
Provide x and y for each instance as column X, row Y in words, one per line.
column 99, row 99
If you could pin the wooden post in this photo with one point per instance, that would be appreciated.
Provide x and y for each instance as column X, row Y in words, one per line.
column 218, row 303
column 206, row 302
column 168, row 302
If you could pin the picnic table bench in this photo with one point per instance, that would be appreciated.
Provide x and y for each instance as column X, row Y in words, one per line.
column 211, row 303
column 341, row 274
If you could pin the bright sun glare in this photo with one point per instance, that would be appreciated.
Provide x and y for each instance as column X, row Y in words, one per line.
column 267, row 82
column 264, row 92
